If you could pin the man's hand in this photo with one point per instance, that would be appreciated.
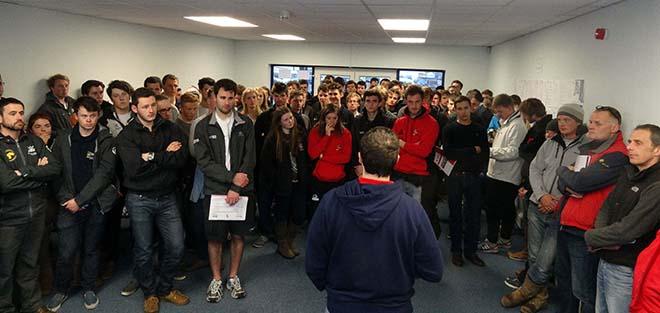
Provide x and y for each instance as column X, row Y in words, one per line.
column 18, row 173
column 174, row 146
column 240, row 180
column 548, row 204
column 232, row 197
column 145, row 156
column 42, row 161
column 477, row 149
column 71, row 205
column 522, row 192
column 358, row 170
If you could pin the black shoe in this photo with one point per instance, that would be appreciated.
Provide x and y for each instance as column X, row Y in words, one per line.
column 474, row 259
column 457, row 260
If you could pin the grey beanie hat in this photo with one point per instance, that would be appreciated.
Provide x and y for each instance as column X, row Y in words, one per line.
column 572, row 110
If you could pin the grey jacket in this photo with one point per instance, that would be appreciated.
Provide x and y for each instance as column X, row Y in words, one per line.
column 553, row 154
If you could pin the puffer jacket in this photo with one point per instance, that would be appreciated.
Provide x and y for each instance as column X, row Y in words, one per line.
column 505, row 163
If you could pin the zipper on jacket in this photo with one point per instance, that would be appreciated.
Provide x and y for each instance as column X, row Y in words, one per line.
column 20, row 152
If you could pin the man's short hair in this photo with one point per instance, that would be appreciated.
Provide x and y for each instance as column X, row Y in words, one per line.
column 614, row 113
column 460, row 99
column 373, row 93
column 323, row 87
column 516, row 99
column 279, row 88
column 351, row 82
column 362, row 83
column 532, row 107
column 503, row 100
column 121, row 85
column 161, row 97
column 169, row 77
column 303, row 82
column 487, row 92
column 88, row 103
column 457, row 81
column 51, row 80
column 141, row 92
column 336, row 86
column 374, row 79
column 354, row 95
column 205, row 81
column 226, row 84
column 152, row 80
column 477, row 95
column 296, row 93
column 396, row 83
column 7, row 101
column 654, row 130
column 379, row 150
column 190, row 97
column 294, row 83
column 88, row 85
column 340, row 80
column 414, row 90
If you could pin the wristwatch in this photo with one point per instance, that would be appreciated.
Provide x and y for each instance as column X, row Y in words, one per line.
column 150, row 156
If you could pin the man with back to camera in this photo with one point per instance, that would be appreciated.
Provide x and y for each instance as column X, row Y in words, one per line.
column 225, row 152
column 627, row 221
column 26, row 166
column 368, row 240
column 153, row 151
column 467, row 144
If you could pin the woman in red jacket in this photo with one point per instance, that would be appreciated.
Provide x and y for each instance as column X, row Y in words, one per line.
column 329, row 145
column 646, row 280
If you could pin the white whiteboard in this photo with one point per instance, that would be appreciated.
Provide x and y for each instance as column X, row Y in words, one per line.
column 553, row 93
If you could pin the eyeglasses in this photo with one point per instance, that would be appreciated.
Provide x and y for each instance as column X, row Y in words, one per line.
column 614, row 112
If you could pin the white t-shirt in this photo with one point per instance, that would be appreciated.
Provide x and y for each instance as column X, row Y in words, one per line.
column 226, row 125
column 123, row 118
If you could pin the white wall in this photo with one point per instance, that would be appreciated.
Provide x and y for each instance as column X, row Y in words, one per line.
column 622, row 71
column 35, row 44
column 469, row 64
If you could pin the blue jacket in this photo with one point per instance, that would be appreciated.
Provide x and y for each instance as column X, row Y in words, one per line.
column 366, row 245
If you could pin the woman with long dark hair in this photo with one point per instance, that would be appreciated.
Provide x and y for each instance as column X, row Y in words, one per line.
column 284, row 168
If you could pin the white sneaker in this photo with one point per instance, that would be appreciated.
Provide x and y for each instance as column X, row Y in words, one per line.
column 234, row 285
column 214, row 292
column 488, row 247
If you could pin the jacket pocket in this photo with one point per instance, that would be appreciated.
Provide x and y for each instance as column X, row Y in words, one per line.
column 107, row 198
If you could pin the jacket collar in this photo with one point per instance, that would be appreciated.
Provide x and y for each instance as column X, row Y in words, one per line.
column 514, row 116
column 600, row 146
column 422, row 112
column 634, row 174
column 238, row 120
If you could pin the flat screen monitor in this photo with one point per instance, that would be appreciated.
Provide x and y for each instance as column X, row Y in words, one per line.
column 430, row 78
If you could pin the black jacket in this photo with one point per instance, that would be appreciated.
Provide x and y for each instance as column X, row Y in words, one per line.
column 22, row 197
column 361, row 125
column 210, row 148
column 159, row 176
column 279, row 175
column 102, row 186
column 534, row 138
column 58, row 114
column 630, row 216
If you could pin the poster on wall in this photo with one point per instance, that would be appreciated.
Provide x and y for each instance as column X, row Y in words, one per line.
column 553, row 93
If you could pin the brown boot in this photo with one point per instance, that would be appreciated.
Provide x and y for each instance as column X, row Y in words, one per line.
column 151, row 304
column 292, row 232
column 282, row 243
column 538, row 303
column 521, row 295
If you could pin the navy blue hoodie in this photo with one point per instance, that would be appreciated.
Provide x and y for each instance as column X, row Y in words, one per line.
column 366, row 245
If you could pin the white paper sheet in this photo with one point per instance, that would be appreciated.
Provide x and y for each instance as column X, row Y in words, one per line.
column 220, row 210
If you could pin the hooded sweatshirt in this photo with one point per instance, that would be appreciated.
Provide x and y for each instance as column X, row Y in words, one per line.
column 366, row 245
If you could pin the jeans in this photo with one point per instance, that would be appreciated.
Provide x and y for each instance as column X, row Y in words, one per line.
column 500, row 197
column 19, row 251
column 147, row 213
column 542, row 232
column 410, row 189
column 86, row 232
column 614, row 288
column 464, row 194
column 575, row 270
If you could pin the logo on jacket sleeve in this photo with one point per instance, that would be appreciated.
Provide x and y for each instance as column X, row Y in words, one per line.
column 10, row 154
column 31, row 151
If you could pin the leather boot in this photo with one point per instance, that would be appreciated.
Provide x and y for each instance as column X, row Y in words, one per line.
column 282, row 244
column 521, row 295
column 292, row 232
column 538, row 303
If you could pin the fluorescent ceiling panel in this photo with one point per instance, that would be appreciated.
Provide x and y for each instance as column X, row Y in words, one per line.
column 222, row 21
column 402, row 24
column 408, row 40
column 283, row 37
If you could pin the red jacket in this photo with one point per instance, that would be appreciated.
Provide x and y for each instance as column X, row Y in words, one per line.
column 646, row 280
column 333, row 153
column 581, row 213
column 420, row 134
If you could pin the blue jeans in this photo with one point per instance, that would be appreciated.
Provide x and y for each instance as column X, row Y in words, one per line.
column 410, row 189
column 464, row 197
column 147, row 213
column 85, row 232
column 614, row 288
column 542, row 232
column 575, row 270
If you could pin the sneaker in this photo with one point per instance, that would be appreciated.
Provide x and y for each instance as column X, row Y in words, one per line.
column 488, row 247
column 513, row 282
column 180, row 276
column 234, row 285
column 260, row 242
column 130, row 288
column 90, row 300
column 214, row 292
column 504, row 243
column 56, row 301
column 176, row 297
column 518, row 256
column 315, row 198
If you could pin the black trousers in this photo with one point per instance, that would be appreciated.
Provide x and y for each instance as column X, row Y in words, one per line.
column 500, row 197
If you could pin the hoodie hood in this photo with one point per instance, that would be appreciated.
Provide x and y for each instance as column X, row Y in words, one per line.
column 370, row 205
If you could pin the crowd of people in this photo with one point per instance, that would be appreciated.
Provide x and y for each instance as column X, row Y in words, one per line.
column 167, row 159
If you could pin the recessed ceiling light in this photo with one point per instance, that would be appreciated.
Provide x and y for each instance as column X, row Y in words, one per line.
column 402, row 24
column 283, row 37
column 408, row 40
column 222, row 21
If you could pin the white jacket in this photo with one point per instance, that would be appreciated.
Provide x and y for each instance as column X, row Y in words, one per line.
column 505, row 164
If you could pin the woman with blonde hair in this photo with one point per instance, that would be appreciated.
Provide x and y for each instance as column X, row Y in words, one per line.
column 264, row 98
column 251, row 105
